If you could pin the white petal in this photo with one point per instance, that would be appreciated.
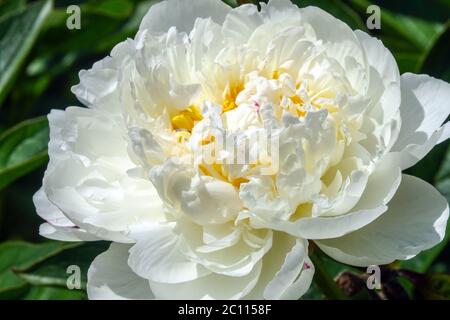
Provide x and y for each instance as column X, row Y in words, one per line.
column 236, row 260
column 98, row 85
column 415, row 221
column 301, row 285
column 65, row 233
column 158, row 256
column 384, row 85
column 210, row 200
column 283, row 284
column 182, row 14
column 110, row 277
column 241, row 22
column 213, row 286
column 87, row 176
column 339, row 39
column 48, row 211
column 425, row 106
column 445, row 134
column 287, row 271
column 381, row 186
column 328, row 227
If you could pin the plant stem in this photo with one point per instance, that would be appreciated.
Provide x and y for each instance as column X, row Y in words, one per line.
column 324, row 280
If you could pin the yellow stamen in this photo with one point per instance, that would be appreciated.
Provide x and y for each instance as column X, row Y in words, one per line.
column 275, row 74
column 208, row 140
column 216, row 170
column 186, row 119
column 229, row 102
column 296, row 99
column 182, row 136
column 237, row 182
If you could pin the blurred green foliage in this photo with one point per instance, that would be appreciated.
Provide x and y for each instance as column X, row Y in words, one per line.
column 39, row 61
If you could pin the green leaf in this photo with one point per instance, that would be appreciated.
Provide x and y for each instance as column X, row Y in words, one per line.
column 53, row 293
column 313, row 293
column 433, row 10
column 53, row 271
column 418, row 32
column 8, row 6
column 23, row 148
column 18, row 255
column 231, row 3
column 118, row 9
column 18, row 32
column 435, row 61
column 323, row 278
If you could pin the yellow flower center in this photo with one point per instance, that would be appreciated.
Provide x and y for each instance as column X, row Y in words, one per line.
column 186, row 119
column 229, row 101
column 216, row 170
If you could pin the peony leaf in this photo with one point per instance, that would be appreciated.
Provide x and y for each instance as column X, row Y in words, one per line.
column 417, row 33
column 18, row 255
column 53, row 293
column 435, row 62
column 23, row 148
column 323, row 279
column 18, row 32
column 7, row 6
column 53, row 271
column 231, row 3
column 118, row 9
column 435, row 10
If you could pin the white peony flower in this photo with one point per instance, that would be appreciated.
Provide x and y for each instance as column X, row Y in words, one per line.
column 132, row 167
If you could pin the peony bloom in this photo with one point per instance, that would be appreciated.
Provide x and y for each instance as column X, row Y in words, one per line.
column 143, row 165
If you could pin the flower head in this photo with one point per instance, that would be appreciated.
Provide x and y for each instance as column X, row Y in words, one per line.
column 218, row 141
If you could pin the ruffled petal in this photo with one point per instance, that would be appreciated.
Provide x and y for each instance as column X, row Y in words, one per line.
column 110, row 277
column 415, row 221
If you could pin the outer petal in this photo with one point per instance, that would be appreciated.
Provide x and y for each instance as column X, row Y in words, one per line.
column 415, row 221
column 384, row 82
column 287, row 271
column 87, row 176
column 158, row 256
column 98, row 87
column 58, row 227
column 294, row 277
column 65, row 233
column 213, row 286
column 425, row 106
column 182, row 14
column 110, row 277
column 48, row 211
